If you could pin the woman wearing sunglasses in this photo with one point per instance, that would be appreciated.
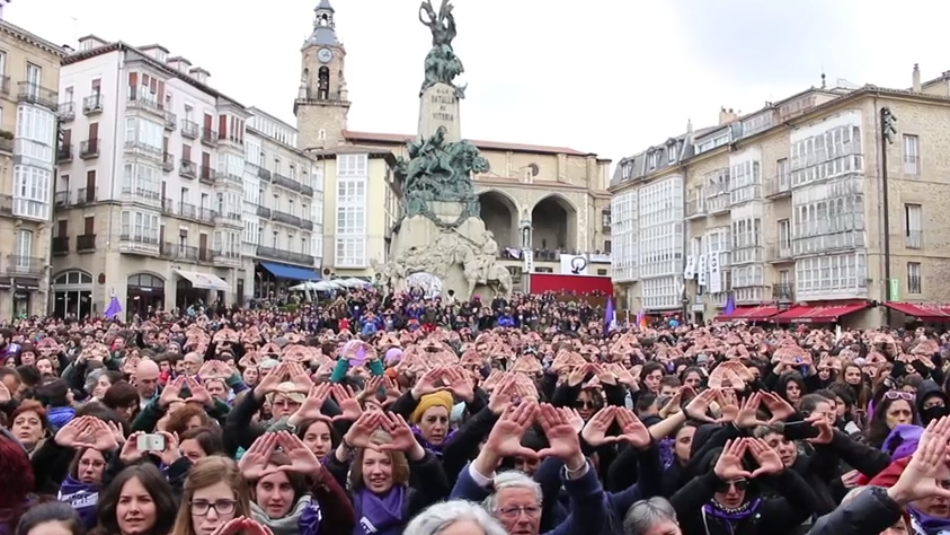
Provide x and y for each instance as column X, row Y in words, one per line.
column 895, row 407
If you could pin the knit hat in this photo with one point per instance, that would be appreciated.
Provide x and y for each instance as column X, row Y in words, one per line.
column 437, row 399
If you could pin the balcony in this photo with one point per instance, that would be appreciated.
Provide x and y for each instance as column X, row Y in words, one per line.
column 168, row 162
column 85, row 243
column 227, row 176
column 209, row 137
column 778, row 186
column 286, row 182
column 695, row 208
column 287, row 219
column 141, row 195
column 744, row 194
column 129, row 243
column 228, row 218
column 187, row 211
column 87, row 196
column 61, row 245
column 168, row 206
column 778, row 252
column 5, row 85
column 748, row 255
column 64, row 153
column 145, row 102
column 179, row 251
column 144, row 150
column 26, row 265
column 207, row 175
column 6, row 142
column 206, row 215
column 92, row 105
column 913, row 239
column 171, row 121
column 189, row 129
column 306, row 224
column 187, row 168
column 67, row 112
column 717, row 204
column 286, row 256
column 226, row 258
column 783, row 291
column 6, row 205
column 263, row 211
column 32, row 93
column 89, row 149
column 61, row 199
column 307, row 191
column 263, row 174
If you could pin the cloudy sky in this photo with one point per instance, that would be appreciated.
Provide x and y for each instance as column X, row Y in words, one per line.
column 604, row 76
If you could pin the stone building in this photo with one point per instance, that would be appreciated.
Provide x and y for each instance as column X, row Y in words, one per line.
column 558, row 194
column 781, row 211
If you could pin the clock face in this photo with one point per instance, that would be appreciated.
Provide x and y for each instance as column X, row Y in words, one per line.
column 325, row 55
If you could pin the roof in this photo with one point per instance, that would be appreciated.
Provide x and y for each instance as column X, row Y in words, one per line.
column 487, row 145
column 332, row 152
column 31, row 38
column 325, row 6
column 121, row 46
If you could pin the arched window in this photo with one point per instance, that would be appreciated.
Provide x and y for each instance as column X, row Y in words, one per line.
column 73, row 277
column 145, row 280
column 323, row 83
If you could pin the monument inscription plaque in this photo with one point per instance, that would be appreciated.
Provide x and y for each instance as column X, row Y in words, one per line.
column 439, row 106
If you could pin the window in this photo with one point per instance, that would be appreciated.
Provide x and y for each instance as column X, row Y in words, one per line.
column 3, row 63
column 145, row 133
column 911, row 155
column 784, row 236
column 34, row 76
column 831, row 276
column 352, row 165
column 605, row 219
column 671, row 153
column 914, row 279
column 24, row 244
column 654, row 159
column 140, row 227
column 142, row 180
column 31, row 194
column 913, row 226
column 35, row 135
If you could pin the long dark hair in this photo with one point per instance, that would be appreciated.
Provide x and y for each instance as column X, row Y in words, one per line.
column 15, row 490
column 157, row 487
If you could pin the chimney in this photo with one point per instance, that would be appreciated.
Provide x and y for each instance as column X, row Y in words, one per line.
column 726, row 116
column 916, row 78
column 199, row 74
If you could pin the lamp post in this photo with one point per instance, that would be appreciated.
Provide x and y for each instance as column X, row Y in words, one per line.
column 888, row 131
column 527, row 252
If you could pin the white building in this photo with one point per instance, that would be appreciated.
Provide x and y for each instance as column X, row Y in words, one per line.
column 154, row 191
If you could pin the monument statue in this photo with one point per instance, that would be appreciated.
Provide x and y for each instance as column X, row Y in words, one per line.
column 441, row 65
column 439, row 235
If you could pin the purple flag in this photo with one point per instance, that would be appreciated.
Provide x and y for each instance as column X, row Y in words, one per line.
column 114, row 308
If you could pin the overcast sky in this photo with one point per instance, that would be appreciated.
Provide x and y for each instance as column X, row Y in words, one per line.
column 604, row 76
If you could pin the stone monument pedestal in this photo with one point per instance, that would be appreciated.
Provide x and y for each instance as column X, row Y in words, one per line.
column 439, row 106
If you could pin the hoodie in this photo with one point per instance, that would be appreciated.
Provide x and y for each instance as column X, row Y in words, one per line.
column 929, row 389
column 82, row 497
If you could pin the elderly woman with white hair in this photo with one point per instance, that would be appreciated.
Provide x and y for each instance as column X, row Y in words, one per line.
column 655, row 516
column 457, row 517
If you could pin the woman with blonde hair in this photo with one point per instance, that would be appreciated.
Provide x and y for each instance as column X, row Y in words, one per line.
column 390, row 475
column 214, row 494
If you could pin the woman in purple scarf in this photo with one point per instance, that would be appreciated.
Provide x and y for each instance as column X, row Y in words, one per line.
column 391, row 477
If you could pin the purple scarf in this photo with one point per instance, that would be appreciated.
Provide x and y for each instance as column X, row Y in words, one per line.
column 82, row 497
column 928, row 524
column 379, row 515
column 728, row 517
column 435, row 449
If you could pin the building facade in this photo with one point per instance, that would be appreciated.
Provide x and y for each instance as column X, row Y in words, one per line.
column 551, row 200
column 283, row 207
column 783, row 212
column 29, row 105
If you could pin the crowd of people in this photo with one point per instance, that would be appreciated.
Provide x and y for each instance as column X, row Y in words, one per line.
column 387, row 414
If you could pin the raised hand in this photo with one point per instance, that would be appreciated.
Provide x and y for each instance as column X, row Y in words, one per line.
column 825, row 433
column 502, row 395
column 130, row 453
column 300, row 378
column 563, row 442
column 402, row 437
column 350, row 409
column 199, row 394
column 268, row 383
column 780, row 409
column 311, row 408
column 767, row 458
column 427, row 384
column 729, row 465
column 698, row 407
column 253, row 463
column 927, row 470
column 632, row 430
column 302, row 460
column 505, row 437
column 595, row 432
column 170, row 454
column 69, row 436
column 748, row 417
column 171, row 392
column 460, row 384
column 361, row 432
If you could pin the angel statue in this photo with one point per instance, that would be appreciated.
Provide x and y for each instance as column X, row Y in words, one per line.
column 441, row 64
column 442, row 25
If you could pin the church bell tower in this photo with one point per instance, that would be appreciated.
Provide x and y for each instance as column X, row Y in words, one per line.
column 322, row 102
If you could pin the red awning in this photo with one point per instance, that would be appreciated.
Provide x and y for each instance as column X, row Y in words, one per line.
column 921, row 310
column 817, row 314
column 751, row 314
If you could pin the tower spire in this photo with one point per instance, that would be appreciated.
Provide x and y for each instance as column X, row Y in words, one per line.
column 324, row 27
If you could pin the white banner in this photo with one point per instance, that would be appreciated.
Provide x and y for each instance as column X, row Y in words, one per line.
column 715, row 277
column 703, row 278
column 690, row 270
column 528, row 260
column 574, row 264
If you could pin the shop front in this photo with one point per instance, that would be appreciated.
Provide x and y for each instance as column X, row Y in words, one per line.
column 145, row 293
column 72, row 294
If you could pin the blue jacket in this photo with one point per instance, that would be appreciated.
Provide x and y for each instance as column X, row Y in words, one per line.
column 586, row 501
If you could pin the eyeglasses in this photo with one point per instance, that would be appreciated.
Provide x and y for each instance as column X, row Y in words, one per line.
column 88, row 463
column 531, row 511
column 740, row 485
column 899, row 394
column 585, row 405
column 221, row 507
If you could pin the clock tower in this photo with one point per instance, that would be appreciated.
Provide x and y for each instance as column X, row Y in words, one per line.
column 322, row 102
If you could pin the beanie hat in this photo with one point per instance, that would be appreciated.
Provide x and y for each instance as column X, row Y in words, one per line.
column 437, row 399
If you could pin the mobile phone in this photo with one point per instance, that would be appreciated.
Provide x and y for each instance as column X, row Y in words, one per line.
column 151, row 442
column 799, row 430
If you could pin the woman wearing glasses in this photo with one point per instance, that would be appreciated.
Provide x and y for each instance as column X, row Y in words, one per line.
column 895, row 407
